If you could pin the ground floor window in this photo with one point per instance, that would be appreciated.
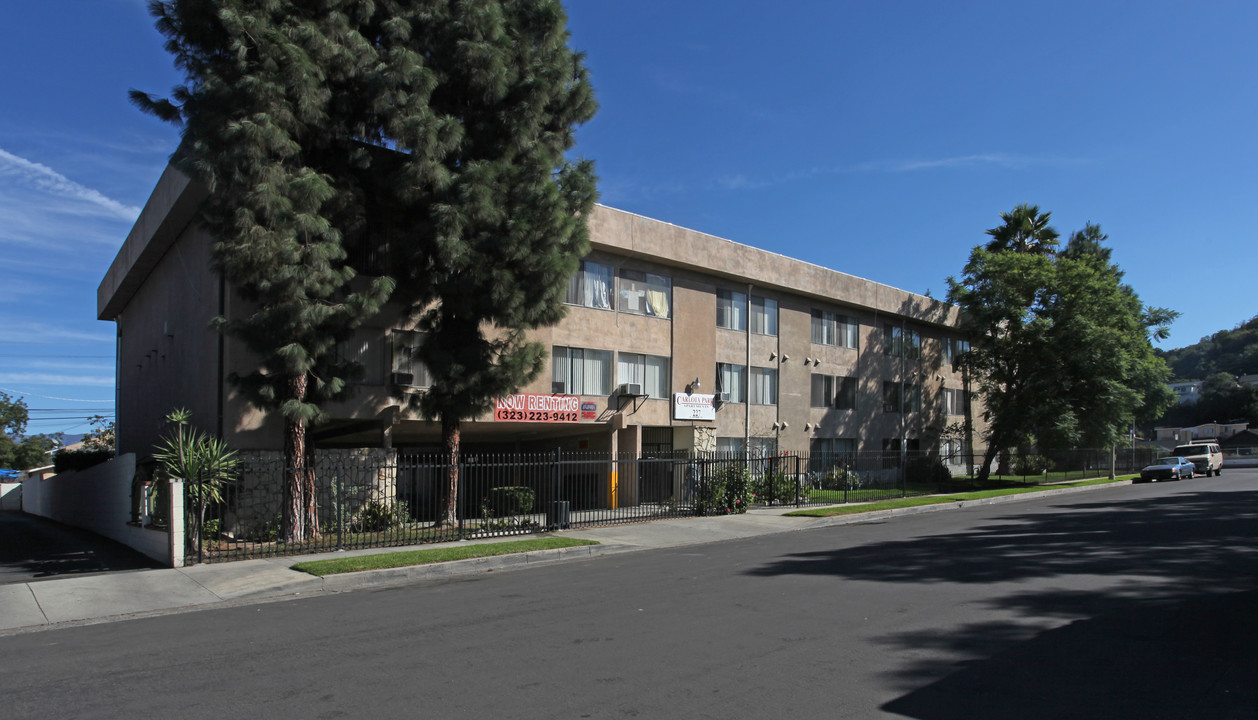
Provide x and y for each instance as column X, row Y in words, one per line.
column 407, row 368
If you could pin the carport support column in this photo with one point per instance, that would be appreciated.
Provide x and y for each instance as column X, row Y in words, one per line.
column 629, row 441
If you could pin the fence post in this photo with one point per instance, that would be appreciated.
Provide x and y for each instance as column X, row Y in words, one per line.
column 458, row 493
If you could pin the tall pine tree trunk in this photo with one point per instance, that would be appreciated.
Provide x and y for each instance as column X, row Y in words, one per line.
column 310, row 495
column 449, row 516
column 295, row 469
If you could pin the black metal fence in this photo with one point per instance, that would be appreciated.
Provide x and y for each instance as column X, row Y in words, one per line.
column 382, row 498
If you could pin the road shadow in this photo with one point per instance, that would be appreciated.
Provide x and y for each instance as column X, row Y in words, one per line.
column 1190, row 659
column 34, row 548
column 1173, row 618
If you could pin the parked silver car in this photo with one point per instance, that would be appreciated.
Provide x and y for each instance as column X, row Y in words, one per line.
column 1168, row 468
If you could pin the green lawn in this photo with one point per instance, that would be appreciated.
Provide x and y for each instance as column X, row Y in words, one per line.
column 939, row 499
column 433, row 555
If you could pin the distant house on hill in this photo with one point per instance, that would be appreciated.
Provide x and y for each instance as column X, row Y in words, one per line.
column 1168, row 436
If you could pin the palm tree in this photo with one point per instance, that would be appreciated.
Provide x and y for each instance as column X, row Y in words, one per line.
column 1025, row 231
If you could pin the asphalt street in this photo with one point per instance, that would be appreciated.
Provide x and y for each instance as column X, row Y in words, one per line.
column 1126, row 602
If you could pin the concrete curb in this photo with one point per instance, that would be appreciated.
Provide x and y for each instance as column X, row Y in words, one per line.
column 46, row 605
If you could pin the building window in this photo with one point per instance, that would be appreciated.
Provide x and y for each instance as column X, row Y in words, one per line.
column 730, row 446
column 407, row 368
column 900, row 397
column 645, row 294
column 952, row 452
column 731, row 382
column 731, row 310
column 826, row 453
column 764, row 316
column 649, row 371
column 764, row 386
column 591, row 286
column 829, row 391
column 902, row 342
column 364, row 349
column 762, row 447
column 891, row 451
column 954, row 401
column 580, row 371
column 833, row 329
column 954, row 348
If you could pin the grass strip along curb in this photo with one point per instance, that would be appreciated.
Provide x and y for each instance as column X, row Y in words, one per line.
column 407, row 558
column 941, row 499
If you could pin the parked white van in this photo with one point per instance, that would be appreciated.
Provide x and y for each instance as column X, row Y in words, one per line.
column 1206, row 456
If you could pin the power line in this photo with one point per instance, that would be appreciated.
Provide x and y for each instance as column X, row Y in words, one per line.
column 46, row 397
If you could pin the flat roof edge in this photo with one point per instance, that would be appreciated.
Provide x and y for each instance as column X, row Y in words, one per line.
column 171, row 206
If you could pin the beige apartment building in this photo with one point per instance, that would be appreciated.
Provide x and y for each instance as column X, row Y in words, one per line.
column 674, row 340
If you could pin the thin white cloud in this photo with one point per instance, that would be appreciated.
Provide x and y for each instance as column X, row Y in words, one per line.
column 45, row 180
column 29, row 333
column 741, row 181
column 56, row 379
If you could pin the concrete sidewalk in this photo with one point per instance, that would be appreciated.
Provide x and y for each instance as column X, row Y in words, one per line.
column 72, row 601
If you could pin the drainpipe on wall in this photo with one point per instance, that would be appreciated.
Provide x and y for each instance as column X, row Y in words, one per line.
column 747, row 377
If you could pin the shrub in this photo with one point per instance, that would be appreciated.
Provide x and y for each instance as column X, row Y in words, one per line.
column 726, row 490
column 781, row 488
column 511, row 500
column 377, row 516
column 1031, row 465
column 840, row 478
column 66, row 460
column 927, row 470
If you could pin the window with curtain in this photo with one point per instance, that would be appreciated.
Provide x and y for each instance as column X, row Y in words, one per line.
column 365, row 348
column 649, row 371
column 406, row 344
column 645, row 294
column 591, row 286
column 954, row 401
column 764, row 386
column 732, row 380
column 902, row 342
column 581, row 371
column 835, row 392
column 764, row 316
column 829, row 328
column 731, row 310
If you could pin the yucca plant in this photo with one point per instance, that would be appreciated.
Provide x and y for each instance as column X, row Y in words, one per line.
column 202, row 461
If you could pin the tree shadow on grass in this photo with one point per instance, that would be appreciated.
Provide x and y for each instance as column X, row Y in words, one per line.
column 1161, row 592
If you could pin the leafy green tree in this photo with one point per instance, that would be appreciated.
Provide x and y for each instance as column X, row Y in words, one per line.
column 1060, row 347
column 19, row 451
column 1024, row 230
column 1234, row 352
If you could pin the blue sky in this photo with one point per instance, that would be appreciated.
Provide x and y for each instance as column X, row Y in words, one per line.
column 876, row 138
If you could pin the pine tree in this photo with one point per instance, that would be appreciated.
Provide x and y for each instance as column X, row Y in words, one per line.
column 483, row 134
column 270, row 125
column 435, row 131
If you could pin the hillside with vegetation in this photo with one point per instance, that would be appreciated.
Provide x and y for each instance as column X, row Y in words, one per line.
column 1218, row 360
column 1234, row 352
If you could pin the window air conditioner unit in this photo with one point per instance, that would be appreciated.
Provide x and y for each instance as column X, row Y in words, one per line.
column 887, row 407
column 557, row 388
column 630, row 390
column 399, row 378
column 723, row 397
